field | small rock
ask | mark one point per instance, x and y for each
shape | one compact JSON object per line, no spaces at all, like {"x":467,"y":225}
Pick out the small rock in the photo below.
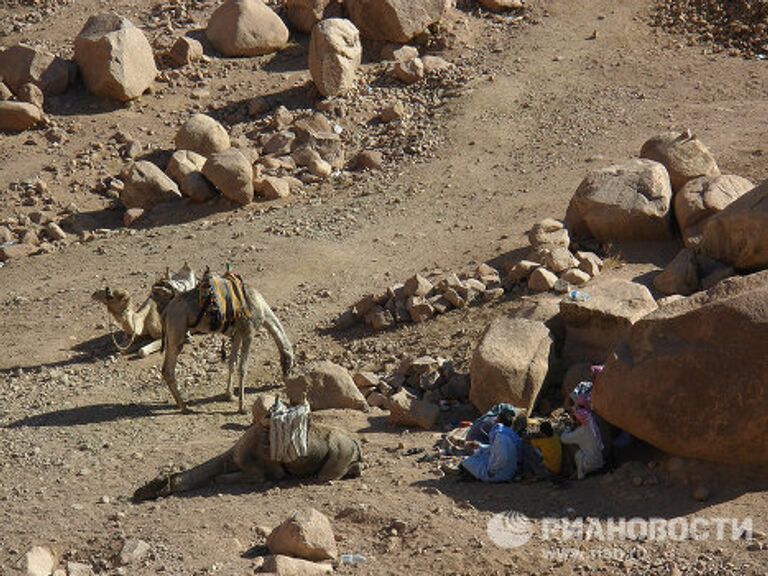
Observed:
{"x":31,"y":94}
{"x":392,"y":112}
{"x":521,"y":271}
{"x":304,"y":534}
{"x":55,"y":232}
{"x":38,"y":561}
{"x":365,"y":379}
{"x":287,"y":566}
{"x":272,"y":188}
{"x":133,"y":551}
{"x":202,"y":134}
{"x":5,"y":92}
{"x":409,"y":72}
{"x":18,"y":116}
{"x":417,"y":285}
{"x":16,"y":251}
{"x":368,"y":160}
{"x":232,"y":174}
{"x":79,"y":569}
{"x":541,"y":280}
{"x":575,"y":276}
{"x":590,"y":263}
{"x":406,"y":410}
{"x":258,"y":106}
{"x":185,"y":50}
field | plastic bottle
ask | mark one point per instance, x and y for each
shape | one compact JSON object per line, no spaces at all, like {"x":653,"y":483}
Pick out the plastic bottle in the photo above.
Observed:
{"x":578,"y":296}
{"x":352,"y":559}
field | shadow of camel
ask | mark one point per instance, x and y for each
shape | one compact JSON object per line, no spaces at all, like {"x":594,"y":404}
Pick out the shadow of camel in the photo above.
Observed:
{"x":96,"y":349}
{"x":93,"y":414}
{"x":100,"y":413}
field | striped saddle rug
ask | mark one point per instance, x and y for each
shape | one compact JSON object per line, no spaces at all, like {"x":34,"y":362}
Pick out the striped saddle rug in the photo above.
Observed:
{"x":223,"y":299}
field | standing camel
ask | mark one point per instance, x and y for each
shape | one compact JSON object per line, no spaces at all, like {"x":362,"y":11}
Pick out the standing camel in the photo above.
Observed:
{"x":227,"y":305}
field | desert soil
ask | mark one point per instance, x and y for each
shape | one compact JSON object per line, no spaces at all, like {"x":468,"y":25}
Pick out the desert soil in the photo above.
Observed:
{"x":541,"y":101}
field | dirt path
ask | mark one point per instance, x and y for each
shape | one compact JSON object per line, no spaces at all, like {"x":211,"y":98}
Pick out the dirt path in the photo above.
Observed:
{"x":83,"y":428}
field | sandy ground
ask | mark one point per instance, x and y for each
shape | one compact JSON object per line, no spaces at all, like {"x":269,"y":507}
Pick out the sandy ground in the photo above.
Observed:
{"x":83,"y":427}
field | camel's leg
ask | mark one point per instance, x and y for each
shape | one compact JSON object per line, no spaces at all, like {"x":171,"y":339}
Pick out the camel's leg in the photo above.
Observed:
{"x":196,"y":477}
{"x":263,"y":314}
{"x":150,"y":348}
{"x":173,"y":342}
{"x":246,"y":332}
{"x":234,"y":355}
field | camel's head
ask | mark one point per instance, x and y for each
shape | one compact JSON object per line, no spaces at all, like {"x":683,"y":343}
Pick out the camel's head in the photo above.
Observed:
{"x":116,"y":300}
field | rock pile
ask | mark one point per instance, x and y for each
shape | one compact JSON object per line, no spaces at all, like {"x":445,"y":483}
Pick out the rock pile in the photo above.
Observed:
{"x":549,"y":266}
{"x":33,"y":233}
{"x":676,"y":186}
{"x":419,"y":299}
{"x":292,"y":149}
{"x":416,"y":390}
{"x":737,"y":26}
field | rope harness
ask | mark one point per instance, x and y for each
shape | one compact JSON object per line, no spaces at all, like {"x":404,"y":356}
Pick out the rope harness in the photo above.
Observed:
{"x":122,"y":348}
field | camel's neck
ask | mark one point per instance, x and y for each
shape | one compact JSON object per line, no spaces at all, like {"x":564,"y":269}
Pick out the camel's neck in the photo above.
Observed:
{"x":130,"y":321}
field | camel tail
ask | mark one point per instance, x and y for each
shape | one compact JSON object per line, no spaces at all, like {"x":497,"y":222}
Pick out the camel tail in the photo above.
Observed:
{"x":275,"y":329}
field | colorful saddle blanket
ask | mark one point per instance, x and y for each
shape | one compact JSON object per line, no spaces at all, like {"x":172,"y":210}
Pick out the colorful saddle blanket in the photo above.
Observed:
{"x":223,"y":299}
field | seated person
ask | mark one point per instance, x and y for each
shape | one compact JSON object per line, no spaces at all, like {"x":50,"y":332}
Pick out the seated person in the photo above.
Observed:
{"x":589,"y":455}
{"x":550,"y":447}
{"x":480,"y":428}
{"x":497,"y":461}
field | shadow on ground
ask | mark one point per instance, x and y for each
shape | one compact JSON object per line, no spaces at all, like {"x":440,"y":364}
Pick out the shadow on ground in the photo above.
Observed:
{"x":93,"y":414}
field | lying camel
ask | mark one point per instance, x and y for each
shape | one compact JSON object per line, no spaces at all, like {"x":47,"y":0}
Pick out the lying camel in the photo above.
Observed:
{"x":227,"y":305}
{"x":146,"y":320}
{"x":332,"y":454}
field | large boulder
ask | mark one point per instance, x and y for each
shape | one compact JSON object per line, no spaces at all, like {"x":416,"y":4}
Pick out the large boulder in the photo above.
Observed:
{"x":304,"y":14}
{"x":202,"y":134}
{"x":147,"y":186}
{"x":18,"y":116}
{"x":629,"y":201}
{"x":246,"y":28}
{"x":510,"y":363}
{"x":304,"y":534}
{"x":232,"y":174}
{"x":739,"y":234}
{"x":326,"y":385}
{"x":394,"y":20}
{"x":692,"y":378}
{"x":601,"y":317}
{"x":114,"y":57}
{"x":21,"y":64}
{"x":684,"y":156}
{"x":703,"y":197}
{"x":334,"y":56}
